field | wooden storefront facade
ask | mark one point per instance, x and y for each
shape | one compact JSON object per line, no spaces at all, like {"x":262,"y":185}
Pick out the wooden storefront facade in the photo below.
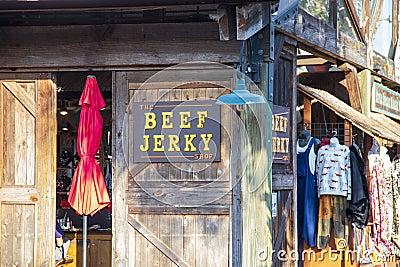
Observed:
{"x":235,"y":229}
{"x":132,"y":42}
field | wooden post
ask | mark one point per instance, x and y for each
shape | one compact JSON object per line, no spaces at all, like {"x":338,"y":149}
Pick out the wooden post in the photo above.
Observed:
{"x":348,"y":133}
{"x":353,"y":86}
{"x":307,"y":113}
{"x":257,"y":181}
{"x":365,"y":90}
{"x":294,"y":161}
{"x":119,"y":208}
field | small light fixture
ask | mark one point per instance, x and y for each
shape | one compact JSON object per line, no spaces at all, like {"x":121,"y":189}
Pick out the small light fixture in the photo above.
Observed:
{"x":64,"y":126}
{"x":240,"y":96}
{"x":63,"y":110}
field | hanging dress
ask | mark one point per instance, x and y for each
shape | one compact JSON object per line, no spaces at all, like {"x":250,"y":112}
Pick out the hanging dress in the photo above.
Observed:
{"x":307,"y":199}
{"x":379,"y":206}
{"x":396,"y":197}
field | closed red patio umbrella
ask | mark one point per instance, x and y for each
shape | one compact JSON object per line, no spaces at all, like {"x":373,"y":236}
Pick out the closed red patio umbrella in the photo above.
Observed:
{"x":88,"y":193}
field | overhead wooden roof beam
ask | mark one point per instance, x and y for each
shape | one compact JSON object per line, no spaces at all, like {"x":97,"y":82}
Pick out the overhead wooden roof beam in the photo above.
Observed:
{"x":27,"y":6}
{"x":355,"y":19}
{"x":353,"y":86}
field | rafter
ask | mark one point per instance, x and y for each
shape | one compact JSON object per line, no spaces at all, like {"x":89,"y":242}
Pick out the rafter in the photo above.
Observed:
{"x":355,"y":19}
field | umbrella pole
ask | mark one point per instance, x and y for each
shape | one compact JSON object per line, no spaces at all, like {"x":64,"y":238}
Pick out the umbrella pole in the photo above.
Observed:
{"x":84,"y":240}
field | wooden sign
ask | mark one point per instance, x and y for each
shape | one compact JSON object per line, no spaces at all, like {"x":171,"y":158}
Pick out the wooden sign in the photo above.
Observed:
{"x":280,"y":133}
{"x":385,"y":101}
{"x":176,"y":131}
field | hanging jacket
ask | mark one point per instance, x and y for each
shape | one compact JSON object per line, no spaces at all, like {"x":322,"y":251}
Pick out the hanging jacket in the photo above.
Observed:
{"x":358,"y":211}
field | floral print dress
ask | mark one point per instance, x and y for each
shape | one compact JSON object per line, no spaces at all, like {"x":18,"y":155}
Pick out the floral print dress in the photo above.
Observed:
{"x":379,"y":206}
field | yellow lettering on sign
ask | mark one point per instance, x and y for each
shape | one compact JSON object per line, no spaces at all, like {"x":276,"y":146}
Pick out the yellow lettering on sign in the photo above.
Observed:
{"x":158,"y":147}
{"x":202,"y":118}
{"x":273,"y":122}
{"x":287,"y":145}
{"x":150,"y":120}
{"x":278,"y":145}
{"x":189,"y":139}
{"x":146,"y":142}
{"x":166,"y":116}
{"x":279,"y":123}
{"x":276,"y":123}
{"x":283,"y":142}
{"x":285,"y":120}
{"x":173,"y":143}
{"x":185,"y":115}
{"x":206,"y":139}
{"x":274,"y":144}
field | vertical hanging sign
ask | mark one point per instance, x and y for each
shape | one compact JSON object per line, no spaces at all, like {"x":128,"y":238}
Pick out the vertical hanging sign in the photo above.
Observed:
{"x":176,"y":131}
{"x":280,"y":130}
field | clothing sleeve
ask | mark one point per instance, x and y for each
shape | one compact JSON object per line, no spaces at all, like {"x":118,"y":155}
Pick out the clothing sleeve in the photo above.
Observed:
{"x":59,"y":230}
{"x":347,"y":166}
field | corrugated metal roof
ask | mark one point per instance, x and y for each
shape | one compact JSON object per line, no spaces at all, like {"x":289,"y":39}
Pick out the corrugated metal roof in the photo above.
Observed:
{"x":374,"y":126}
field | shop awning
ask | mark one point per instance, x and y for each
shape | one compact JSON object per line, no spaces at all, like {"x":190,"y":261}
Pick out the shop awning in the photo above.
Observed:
{"x":375,"y":126}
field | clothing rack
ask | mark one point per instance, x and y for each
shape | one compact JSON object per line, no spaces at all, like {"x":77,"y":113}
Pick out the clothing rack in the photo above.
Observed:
{"x":321,"y":130}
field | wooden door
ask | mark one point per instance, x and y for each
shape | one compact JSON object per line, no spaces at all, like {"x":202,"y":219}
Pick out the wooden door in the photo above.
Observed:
{"x":149,"y":232}
{"x":27,"y":149}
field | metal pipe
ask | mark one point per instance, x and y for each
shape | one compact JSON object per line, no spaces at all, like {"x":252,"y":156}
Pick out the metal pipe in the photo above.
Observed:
{"x":84,"y":241}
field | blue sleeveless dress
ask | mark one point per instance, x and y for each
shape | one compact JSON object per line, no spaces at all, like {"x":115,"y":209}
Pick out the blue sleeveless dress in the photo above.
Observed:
{"x":307,"y":198}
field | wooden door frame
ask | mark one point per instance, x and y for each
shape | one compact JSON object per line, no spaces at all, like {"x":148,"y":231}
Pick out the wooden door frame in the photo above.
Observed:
{"x":119,"y":208}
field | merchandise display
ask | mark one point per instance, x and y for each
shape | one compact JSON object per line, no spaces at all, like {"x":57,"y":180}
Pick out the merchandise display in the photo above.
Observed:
{"x":343,"y":202}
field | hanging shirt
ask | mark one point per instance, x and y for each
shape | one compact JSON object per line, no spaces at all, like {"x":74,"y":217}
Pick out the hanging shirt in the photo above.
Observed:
{"x":333,"y":170}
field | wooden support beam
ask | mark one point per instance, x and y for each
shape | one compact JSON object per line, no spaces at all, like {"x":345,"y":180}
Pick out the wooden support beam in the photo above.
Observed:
{"x":353,"y":86}
{"x":307,"y":30}
{"x":395,"y":28}
{"x":355,"y":19}
{"x":376,"y":11}
{"x":333,"y":13}
{"x":366,"y":18}
{"x":365,"y":90}
{"x":226,"y":18}
{"x":250,"y":19}
{"x":29,"y":6}
{"x":307,"y":113}
{"x":115,"y":46}
{"x":384,"y":66}
{"x":120,"y":246}
{"x":348,"y":133}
